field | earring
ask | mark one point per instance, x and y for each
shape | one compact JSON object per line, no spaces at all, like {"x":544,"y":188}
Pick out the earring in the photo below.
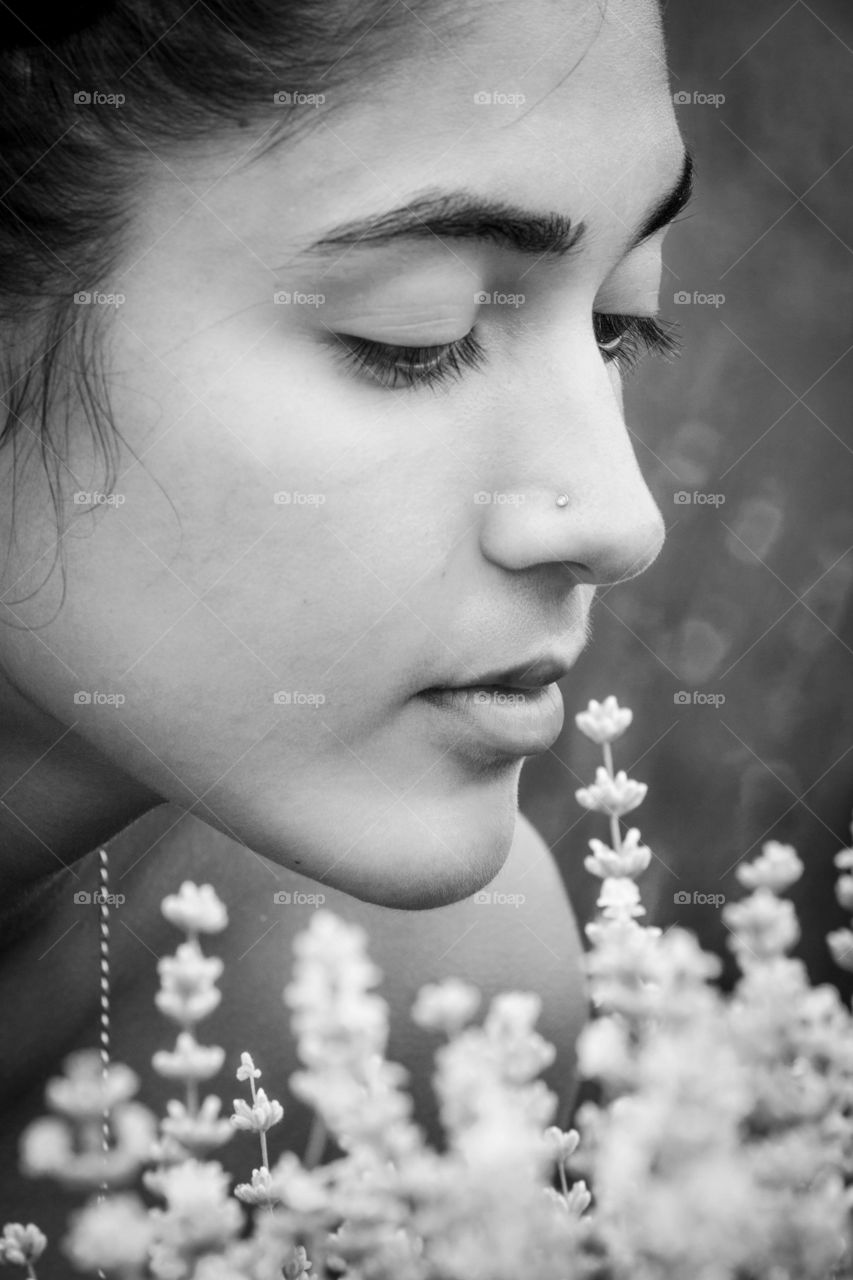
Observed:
{"x":104,"y":926}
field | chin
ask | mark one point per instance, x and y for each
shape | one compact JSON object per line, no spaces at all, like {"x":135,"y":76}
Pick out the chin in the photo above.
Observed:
{"x":413,"y":858}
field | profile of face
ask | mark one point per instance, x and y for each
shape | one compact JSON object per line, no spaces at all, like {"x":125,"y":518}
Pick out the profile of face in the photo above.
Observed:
{"x":343,"y":444}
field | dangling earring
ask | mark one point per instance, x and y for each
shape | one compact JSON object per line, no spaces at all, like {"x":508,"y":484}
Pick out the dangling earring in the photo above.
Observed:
{"x":104,"y":923}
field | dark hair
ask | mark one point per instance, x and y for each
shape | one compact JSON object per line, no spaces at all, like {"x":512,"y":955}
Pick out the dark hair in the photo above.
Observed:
{"x":70,"y":168}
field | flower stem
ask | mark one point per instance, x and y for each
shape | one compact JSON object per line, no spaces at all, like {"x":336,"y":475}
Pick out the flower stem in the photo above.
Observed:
{"x":615,"y":834}
{"x":316,"y":1141}
{"x":565,"y":1184}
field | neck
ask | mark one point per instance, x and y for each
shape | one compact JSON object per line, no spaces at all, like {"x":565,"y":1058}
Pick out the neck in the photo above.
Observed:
{"x":59,"y":796}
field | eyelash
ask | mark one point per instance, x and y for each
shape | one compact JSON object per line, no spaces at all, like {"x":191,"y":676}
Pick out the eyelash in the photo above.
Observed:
{"x":394,"y":367}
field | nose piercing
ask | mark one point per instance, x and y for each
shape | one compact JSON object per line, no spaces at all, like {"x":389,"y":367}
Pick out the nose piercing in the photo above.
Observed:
{"x":563,"y":500}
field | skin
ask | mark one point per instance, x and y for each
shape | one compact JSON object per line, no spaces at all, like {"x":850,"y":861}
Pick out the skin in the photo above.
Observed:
{"x":199,"y":597}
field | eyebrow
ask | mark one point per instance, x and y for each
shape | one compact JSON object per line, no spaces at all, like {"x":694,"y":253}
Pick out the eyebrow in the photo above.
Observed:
{"x":461,"y":216}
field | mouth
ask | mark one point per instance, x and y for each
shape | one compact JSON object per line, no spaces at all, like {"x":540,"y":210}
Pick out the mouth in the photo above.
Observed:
{"x":516,"y":711}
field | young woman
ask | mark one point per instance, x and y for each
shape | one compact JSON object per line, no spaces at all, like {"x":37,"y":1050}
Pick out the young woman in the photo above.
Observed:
{"x":315,"y":317}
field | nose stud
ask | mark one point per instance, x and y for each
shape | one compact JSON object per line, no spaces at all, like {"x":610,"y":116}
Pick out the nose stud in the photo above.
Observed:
{"x":563,"y":500}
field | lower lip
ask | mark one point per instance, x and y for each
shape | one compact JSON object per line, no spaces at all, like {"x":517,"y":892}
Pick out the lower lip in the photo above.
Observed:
{"x":518,"y":722}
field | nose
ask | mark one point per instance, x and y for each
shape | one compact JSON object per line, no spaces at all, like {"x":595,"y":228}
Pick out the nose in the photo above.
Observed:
{"x":610,"y":529}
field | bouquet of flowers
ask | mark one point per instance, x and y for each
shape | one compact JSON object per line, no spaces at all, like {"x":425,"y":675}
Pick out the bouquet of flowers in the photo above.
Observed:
{"x":719,"y":1146}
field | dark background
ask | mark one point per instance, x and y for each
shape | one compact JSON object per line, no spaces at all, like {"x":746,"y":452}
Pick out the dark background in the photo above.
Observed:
{"x":750,"y":598}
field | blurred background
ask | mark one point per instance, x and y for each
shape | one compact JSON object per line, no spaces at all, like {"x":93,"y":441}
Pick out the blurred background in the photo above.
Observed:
{"x":735,"y":650}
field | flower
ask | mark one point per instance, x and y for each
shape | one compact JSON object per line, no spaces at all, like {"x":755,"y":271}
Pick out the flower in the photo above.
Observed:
{"x":445,"y":1006}
{"x":260,"y":1190}
{"x":298,"y":1266}
{"x":86,"y":1091}
{"x":614,"y":795}
{"x":763,"y":925}
{"x":619,"y":898}
{"x":201,"y":1132}
{"x":840,"y":942}
{"x":247,"y":1069}
{"x":630,"y":860}
{"x":563,"y":1144}
{"x":21,"y":1244}
{"x":195,"y":908}
{"x":604,"y":721}
{"x":189,"y":1060}
{"x":113,"y":1234}
{"x":187,"y":991}
{"x":777,"y":868}
{"x":844,"y":891}
{"x":260,"y":1117}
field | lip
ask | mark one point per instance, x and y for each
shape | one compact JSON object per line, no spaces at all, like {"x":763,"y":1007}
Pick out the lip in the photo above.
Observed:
{"x":539,"y":671}
{"x":512,"y":721}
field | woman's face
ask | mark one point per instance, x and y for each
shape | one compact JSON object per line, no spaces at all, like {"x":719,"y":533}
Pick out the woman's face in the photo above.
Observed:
{"x":269,"y":651}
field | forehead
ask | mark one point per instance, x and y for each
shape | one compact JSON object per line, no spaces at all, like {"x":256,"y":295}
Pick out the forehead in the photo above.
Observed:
{"x":555,"y":104}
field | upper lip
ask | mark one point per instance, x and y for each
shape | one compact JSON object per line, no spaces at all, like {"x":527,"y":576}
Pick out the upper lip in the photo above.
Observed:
{"x":541,"y":670}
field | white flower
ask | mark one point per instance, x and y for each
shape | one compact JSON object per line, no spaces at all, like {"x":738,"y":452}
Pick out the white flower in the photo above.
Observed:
{"x":200,"y":1212}
{"x":201,"y":1132}
{"x":260,"y":1117}
{"x":631,"y":860}
{"x":195,"y":908}
{"x":612,"y":795}
{"x":562,"y":1144}
{"x":86,"y":1091}
{"x":840,"y":942}
{"x":445,"y":1006}
{"x":302,"y":1190}
{"x":619,"y":898}
{"x":45,"y":1146}
{"x":189,"y":1060}
{"x":604,"y":721}
{"x":113,"y":1234}
{"x":777,"y":868}
{"x":763,"y":925}
{"x":21,"y":1244}
{"x":260,"y":1190}
{"x":247,"y":1069}
{"x":187,"y":984}
{"x":844,"y":891}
